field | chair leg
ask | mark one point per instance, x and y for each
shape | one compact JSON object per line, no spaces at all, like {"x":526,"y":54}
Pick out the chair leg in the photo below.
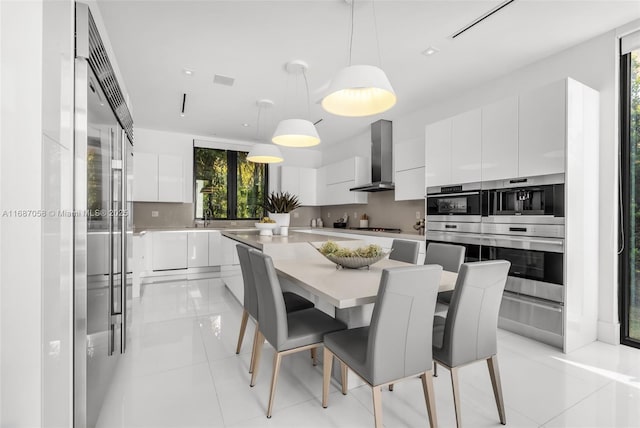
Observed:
{"x":253,"y":350}
{"x":256,"y":358}
{"x":435,"y":369}
{"x":314,"y":356}
{"x":429,"y":397}
{"x":327,"y":361}
{"x":277,"y":359}
{"x":390,"y":387}
{"x":344,"y":375}
{"x":456,"y":395}
{"x":377,"y":405}
{"x":243,"y":326}
{"x":494,"y":373}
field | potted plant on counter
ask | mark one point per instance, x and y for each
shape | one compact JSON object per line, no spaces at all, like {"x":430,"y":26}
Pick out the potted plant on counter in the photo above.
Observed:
{"x":279,"y":205}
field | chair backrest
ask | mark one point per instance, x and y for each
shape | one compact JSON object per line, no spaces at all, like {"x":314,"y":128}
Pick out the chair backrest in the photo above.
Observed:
{"x":250,"y":293}
{"x":272,"y":313}
{"x":449,"y":256}
{"x":399,"y":343}
{"x":404,"y":251}
{"x":472,"y":319}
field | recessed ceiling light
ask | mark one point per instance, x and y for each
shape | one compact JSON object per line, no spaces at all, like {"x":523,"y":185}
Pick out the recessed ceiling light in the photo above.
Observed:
{"x":188,"y":71}
{"x":246,"y":125}
{"x":431,"y":50}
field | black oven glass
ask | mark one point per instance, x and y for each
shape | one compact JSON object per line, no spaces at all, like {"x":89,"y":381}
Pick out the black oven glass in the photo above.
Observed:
{"x":467,"y":204}
{"x":537,"y":265}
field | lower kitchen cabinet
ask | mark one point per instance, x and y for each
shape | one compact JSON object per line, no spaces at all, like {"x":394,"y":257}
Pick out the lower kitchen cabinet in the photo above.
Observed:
{"x":169,"y":250}
{"x":215,"y":248}
{"x":198,"y":244}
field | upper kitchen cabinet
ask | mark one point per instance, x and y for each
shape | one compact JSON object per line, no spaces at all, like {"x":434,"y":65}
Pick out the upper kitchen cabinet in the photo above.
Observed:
{"x":542,"y":130}
{"x":158,"y":178}
{"x":300,"y":181}
{"x":438,"y":153}
{"x":339,"y":177}
{"x":409,"y":170}
{"x":500,"y":139}
{"x":466,"y":147}
{"x":453,"y":153}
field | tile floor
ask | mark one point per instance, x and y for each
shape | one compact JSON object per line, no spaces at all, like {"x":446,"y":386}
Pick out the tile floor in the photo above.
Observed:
{"x":181,"y":370}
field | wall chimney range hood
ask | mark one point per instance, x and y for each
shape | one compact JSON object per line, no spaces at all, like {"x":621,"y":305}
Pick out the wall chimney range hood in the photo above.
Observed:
{"x":381,"y":158}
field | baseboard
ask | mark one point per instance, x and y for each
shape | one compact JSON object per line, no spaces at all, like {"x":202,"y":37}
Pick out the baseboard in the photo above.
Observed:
{"x":609,"y":332}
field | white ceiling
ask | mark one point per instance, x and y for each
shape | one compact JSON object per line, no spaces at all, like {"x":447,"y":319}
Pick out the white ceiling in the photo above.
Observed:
{"x":252,"y":40}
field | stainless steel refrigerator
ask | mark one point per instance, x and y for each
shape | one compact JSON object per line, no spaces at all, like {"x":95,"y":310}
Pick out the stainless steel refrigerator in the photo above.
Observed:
{"x":102,"y":224}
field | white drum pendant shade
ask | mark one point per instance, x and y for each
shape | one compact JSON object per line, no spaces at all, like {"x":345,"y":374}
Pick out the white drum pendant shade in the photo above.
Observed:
{"x":296,"y":133}
{"x":359,"y":90}
{"x":265,"y":153}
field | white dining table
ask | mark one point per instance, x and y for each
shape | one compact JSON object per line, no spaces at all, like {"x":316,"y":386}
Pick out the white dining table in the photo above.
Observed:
{"x":343,"y":288}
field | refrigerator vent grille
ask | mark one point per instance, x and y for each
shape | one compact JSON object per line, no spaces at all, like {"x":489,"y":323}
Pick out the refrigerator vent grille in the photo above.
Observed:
{"x":99,"y":61}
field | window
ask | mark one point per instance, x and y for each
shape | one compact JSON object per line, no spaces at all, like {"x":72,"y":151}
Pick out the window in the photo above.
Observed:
{"x":227,"y":186}
{"x":630,"y":142}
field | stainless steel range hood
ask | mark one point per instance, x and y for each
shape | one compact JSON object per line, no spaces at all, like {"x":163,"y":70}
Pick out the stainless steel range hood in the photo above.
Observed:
{"x":381,"y":158}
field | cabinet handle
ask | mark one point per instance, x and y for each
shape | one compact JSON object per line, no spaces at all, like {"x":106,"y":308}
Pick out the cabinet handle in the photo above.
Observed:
{"x":517,"y":229}
{"x":450,"y":226}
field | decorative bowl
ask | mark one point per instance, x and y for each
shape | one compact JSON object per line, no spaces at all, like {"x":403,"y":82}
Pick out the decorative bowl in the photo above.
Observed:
{"x":266,"y":229}
{"x":355,"y":262}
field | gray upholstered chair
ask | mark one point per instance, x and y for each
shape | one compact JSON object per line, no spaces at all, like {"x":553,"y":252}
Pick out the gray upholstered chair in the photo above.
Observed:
{"x":286,"y":332}
{"x":404,"y":251}
{"x":468,"y":333}
{"x":292,"y":301}
{"x":397,"y":343}
{"x":450,"y":257}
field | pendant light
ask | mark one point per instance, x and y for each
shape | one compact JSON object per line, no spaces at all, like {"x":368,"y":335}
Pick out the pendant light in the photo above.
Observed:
{"x":359,"y":90}
{"x":297,"y":132}
{"x":264,"y":152}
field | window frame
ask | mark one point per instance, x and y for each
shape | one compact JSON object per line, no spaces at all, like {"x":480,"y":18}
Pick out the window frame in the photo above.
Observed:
{"x":232,"y":185}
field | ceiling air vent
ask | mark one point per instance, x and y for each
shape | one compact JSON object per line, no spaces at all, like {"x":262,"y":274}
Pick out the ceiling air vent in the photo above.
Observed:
{"x":219,"y":79}
{"x":482,"y":18}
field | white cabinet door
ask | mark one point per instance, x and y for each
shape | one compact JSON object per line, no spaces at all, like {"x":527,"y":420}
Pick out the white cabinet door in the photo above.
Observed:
{"x":438,"y":153}
{"x":229,"y":254}
{"x":198,"y":247}
{"x":145,"y":174}
{"x":215,"y":248}
{"x":409,"y":154}
{"x":410,"y":184}
{"x":169,"y":250}
{"x":321,"y":186}
{"x":290,"y":179}
{"x":308,"y":184}
{"x":542,"y":130}
{"x":466,"y":147}
{"x":170,"y":178}
{"x":500,"y":139}
{"x":339,"y":172}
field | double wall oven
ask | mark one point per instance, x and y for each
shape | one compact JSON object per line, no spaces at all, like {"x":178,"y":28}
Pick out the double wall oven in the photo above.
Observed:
{"x":520,"y":220}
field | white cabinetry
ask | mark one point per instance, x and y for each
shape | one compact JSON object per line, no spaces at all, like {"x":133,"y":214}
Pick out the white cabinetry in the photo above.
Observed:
{"x":300,"y":181}
{"x":145,"y":175}
{"x":169,"y":250}
{"x":215,"y":248}
{"x":409,"y":170}
{"x":542,"y":130}
{"x":438,"y":153}
{"x":341,"y":176}
{"x":198,"y":249}
{"x":466,"y":147}
{"x":500,"y":139}
{"x":158,"y":178}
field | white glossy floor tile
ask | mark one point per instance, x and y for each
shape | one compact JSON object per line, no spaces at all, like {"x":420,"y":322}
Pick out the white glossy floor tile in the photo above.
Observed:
{"x":181,"y":370}
{"x":183,"y":397}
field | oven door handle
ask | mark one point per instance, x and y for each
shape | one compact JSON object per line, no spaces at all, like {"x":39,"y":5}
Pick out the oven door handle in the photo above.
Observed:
{"x":446,"y":195}
{"x":519,"y":298}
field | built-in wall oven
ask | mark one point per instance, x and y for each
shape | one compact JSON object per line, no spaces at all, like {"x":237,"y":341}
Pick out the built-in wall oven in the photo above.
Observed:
{"x":520,"y":220}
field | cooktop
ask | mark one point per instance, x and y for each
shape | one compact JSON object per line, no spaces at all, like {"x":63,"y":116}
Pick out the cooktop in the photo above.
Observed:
{"x":377,"y":229}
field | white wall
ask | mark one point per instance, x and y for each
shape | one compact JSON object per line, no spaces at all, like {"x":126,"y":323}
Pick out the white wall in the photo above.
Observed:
{"x":181,"y":144}
{"x":593,"y":63}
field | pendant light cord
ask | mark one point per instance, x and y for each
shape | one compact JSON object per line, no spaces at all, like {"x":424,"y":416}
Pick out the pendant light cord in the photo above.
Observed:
{"x":306,"y":84}
{"x":353,"y":2}
{"x":375,"y":28}
{"x":258,"y":124}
